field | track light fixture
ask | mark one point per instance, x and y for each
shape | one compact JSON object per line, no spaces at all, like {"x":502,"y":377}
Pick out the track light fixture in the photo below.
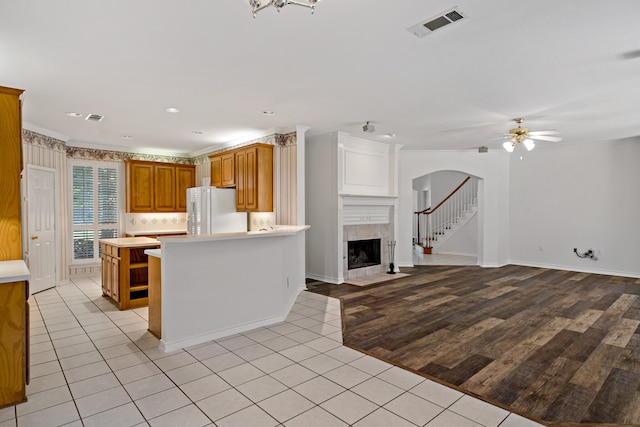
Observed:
{"x":368,"y":127}
{"x":258,"y":5}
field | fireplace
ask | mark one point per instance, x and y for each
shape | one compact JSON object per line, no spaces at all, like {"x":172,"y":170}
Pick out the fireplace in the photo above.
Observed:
{"x":363,"y":253}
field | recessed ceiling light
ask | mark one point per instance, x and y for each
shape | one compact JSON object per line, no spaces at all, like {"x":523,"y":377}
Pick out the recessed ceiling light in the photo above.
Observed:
{"x":389,"y":135}
{"x":268,"y":113}
{"x":73,"y":114}
{"x":196,"y":132}
{"x":127,"y":137}
{"x":172,"y":110}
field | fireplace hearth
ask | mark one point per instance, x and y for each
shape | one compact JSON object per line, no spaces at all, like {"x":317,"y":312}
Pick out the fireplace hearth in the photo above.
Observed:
{"x":363,"y":253}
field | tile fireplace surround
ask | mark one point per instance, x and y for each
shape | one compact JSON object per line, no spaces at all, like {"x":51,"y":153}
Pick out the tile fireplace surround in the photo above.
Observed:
{"x":365,"y":232}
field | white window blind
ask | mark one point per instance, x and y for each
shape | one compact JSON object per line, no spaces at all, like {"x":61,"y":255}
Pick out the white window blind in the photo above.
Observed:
{"x":94,"y":208}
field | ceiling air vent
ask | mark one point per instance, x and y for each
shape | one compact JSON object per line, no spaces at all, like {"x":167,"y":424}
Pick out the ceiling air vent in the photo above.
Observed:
{"x":94,"y":118}
{"x":432,"y":24}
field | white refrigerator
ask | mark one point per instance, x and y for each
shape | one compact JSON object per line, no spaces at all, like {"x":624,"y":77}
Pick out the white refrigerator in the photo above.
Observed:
{"x":212,"y":210}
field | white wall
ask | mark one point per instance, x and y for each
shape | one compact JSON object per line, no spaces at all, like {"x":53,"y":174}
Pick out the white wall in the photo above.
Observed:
{"x":321,"y":205}
{"x":577,"y":196}
{"x":443,"y":183}
{"x":493,"y":217}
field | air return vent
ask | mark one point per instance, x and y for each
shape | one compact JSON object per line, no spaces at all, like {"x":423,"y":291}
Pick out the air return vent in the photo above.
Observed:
{"x":432,"y":24}
{"x":94,"y":118}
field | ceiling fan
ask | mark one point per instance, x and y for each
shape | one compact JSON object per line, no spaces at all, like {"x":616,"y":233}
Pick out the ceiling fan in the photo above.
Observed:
{"x":524,"y":136}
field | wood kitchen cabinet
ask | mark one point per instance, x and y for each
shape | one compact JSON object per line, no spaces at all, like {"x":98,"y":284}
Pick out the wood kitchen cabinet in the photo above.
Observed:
{"x":14,"y":332}
{"x":14,"y":275}
{"x":185,"y":178}
{"x":158,"y":187}
{"x":250,"y":170}
{"x":10,"y":170}
{"x":223,"y":169}
{"x":164,"y":185}
{"x":254,"y":178}
{"x":125,"y":270}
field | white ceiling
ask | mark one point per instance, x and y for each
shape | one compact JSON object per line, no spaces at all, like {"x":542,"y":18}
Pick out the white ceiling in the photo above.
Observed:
{"x":568,"y":65}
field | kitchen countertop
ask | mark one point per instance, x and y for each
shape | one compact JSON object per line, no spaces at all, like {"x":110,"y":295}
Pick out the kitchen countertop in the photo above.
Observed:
{"x":131,"y":242}
{"x":13,"y":271}
{"x":278,"y":230}
{"x":155,"y":233}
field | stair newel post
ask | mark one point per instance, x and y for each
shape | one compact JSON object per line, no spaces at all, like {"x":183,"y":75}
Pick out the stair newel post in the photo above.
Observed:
{"x":391,"y":244}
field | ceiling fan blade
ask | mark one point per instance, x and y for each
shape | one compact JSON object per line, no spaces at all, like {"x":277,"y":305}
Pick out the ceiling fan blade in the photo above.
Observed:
{"x":546,"y":138}
{"x":544,"y":132}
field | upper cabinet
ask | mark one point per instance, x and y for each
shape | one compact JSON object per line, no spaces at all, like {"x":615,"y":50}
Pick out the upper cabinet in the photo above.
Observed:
{"x":250,"y":170}
{"x":223,"y":169}
{"x":165,"y":188}
{"x":158,"y":187}
{"x":185,"y":178}
{"x":10,"y":170}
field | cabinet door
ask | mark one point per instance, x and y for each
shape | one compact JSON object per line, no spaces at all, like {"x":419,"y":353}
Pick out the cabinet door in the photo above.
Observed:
{"x":228,"y":169}
{"x":241,"y":179}
{"x":106,"y":274}
{"x":115,"y":279}
{"x":251,"y":180}
{"x":13,"y":357}
{"x":140,"y":187}
{"x":185,"y":178}
{"x":165,"y":188}
{"x":216,"y":171}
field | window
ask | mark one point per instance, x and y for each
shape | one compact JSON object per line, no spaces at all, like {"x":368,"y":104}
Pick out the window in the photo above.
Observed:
{"x":94,"y":208}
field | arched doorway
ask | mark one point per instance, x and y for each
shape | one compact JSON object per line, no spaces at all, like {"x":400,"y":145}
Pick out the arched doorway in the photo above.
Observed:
{"x":447,"y":230}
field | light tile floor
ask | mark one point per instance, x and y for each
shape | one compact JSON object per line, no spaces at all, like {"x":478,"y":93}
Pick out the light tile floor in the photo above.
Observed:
{"x":92,"y":365}
{"x":441,"y":259}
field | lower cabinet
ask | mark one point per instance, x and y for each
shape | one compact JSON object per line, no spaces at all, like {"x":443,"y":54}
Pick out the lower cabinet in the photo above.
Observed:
{"x":155,"y":297}
{"x":125,"y":275}
{"x":14,"y":342}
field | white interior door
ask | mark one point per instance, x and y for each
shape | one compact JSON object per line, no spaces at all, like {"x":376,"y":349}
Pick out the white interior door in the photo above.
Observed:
{"x":41,"y":226}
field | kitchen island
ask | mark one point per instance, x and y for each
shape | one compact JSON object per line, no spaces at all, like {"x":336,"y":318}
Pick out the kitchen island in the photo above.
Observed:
{"x":125,"y":270}
{"x":221,"y":284}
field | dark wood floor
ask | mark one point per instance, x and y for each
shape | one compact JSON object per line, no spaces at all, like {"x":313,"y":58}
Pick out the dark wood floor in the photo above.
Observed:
{"x":556,"y":346}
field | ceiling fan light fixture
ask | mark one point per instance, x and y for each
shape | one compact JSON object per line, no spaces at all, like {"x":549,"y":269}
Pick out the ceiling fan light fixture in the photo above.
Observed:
{"x":509,"y":146}
{"x":529,"y":144}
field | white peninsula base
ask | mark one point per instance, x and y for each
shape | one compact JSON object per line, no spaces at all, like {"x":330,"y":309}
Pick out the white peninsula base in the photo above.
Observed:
{"x":218,"y":285}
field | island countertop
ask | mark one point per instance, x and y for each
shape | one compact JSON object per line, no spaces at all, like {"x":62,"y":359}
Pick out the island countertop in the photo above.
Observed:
{"x":278,"y":230}
{"x":130,"y":242}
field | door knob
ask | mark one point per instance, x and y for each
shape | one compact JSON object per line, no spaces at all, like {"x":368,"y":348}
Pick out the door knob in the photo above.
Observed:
{"x":34,"y":237}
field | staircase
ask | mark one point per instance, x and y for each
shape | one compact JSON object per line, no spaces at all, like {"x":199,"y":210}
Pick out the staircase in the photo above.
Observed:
{"x":437,"y":225}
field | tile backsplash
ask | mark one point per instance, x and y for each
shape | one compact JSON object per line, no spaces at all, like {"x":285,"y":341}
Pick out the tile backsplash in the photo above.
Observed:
{"x":152,"y":222}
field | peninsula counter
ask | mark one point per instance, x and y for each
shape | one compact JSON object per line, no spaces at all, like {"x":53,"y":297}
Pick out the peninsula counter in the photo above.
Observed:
{"x":217,"y":285}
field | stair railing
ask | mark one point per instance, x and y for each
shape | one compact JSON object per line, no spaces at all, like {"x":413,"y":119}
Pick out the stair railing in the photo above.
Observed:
{"x":435,"y":222}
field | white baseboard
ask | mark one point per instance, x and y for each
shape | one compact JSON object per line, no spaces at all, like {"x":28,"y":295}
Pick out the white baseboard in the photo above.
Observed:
{"x":634,"y":275}
{"x":325,"y":279}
